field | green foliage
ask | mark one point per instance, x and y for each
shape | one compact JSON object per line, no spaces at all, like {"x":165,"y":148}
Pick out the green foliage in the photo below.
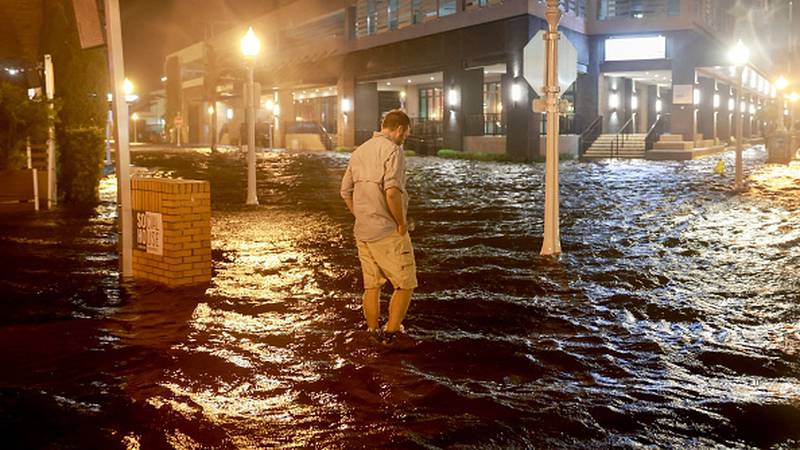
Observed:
{"x":448,"y":153}
{"x":81,"y":164}
{"x":20,"y":118}
{"x":81,"y":76}
{"x":410,"y":153}
{"x":344,"y":149}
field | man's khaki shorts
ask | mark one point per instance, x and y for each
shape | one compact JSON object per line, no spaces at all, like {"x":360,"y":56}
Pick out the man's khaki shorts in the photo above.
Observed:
{"x":390,"y":258}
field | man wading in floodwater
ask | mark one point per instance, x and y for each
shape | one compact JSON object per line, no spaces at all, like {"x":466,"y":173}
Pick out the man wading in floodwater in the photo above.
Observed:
{"x":374,"y":189}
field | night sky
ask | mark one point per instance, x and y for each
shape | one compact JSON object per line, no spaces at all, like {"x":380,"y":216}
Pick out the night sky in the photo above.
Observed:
{"x":151,"y":29}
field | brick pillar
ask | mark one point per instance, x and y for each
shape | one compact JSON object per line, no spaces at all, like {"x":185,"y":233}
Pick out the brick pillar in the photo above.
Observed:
{"x":172,"y":231}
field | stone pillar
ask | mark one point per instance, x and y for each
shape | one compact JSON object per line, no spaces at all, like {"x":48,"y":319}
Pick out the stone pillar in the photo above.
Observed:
{"x":705,"y":110}
{"x":747,"y":129}
{"x":724,"y":130}
{"x":286,"y":116}
{"x":365,"y":111}
{"x":650,"y":104}
{"x":172,"y":234}
{"x":683,"y":120}
{"x":345,"y":122}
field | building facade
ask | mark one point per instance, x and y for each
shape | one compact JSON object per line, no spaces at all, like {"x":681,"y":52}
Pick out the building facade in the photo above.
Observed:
{"x":455,"y":66}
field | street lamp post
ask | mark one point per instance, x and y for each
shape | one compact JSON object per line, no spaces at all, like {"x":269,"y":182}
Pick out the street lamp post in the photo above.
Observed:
{"x":250,"y":48}
{"x":739,"y":56}
{"x":551,"y":245}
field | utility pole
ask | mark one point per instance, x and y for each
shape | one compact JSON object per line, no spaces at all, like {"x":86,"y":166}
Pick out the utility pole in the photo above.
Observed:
{"x":50,"y":87}
{"x":552,"y":239}
{"x":117,"y":73}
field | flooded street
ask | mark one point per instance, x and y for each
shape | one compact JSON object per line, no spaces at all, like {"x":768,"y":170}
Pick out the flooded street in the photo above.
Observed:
{"x":671,"y":320}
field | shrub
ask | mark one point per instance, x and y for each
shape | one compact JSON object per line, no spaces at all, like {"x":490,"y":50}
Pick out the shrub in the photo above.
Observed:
{"x":410,"y":153}
{"x":344,"y":149}
{"x":81,"y":164}
{"x":20,"y":118}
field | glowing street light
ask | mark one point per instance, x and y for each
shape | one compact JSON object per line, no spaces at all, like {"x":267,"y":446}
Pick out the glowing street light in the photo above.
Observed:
{"x":781,"y":83}
{"x":739,"y":56}
{"x":251,"y":45}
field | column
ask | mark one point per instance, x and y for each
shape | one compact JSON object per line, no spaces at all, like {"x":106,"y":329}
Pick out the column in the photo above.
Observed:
{"x":705,"y":110}
{"x":365,"y":111}
{"x":286,"y":116}
{"x":345,"y":122}
{"x":724,"y":130}
{"x":683,"y":119}
{"x":522,"y":124}
{"x":463,"y":98}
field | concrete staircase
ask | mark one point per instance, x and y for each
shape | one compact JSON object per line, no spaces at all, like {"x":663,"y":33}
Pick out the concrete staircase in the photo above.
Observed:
{"x":630,"y":146}
{"x":673,"y":147}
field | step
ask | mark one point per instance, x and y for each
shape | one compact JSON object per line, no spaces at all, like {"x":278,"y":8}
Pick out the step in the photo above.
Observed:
{"x":670,"y":137}
{"x":703,"y":143}
{"x":673,"y":145}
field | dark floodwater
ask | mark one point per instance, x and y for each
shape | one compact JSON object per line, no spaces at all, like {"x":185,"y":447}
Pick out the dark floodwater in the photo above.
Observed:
{"x":671,"y":320}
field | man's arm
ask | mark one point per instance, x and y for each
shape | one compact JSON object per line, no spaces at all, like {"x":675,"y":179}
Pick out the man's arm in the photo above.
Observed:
{"x":346,"y":190}
{"x":394,"y":200}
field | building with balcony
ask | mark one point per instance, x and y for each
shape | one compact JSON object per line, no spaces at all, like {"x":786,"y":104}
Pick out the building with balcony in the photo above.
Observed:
{"x":455,"y":66}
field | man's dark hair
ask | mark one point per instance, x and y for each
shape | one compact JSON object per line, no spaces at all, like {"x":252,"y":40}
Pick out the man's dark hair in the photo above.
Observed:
{"x":395,"y":118}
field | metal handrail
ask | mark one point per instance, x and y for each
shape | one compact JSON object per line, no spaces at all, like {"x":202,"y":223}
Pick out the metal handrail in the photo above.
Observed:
{"x":590,"y":134}
{"x":655,"y":131}
{"x":615,"y":144}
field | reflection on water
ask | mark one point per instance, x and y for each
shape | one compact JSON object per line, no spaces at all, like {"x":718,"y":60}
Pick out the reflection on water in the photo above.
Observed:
{"x":672,"y":319}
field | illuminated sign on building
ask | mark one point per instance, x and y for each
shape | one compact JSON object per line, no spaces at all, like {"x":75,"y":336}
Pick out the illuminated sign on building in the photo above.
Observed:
{"x":636,"y":48}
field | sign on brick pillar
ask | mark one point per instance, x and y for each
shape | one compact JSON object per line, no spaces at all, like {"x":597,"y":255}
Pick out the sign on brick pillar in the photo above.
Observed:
{"x":172,"y":220}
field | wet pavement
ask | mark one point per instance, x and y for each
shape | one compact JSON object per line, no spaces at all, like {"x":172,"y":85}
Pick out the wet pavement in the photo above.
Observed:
{"x":671,"y":320}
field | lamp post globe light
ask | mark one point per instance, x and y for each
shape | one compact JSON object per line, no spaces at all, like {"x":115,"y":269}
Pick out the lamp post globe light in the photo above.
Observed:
{"x":739,"y":56}
{"x":251,"y":46}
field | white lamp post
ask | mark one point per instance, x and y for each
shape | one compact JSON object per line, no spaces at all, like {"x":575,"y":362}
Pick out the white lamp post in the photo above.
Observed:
{"x":250,"y":48}
{"x":739,"y":55}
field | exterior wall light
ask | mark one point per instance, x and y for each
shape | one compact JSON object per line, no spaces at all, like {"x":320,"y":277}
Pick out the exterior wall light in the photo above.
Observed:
{"x":229,"y":114}
{"x":752,"y":108}
{"x":210,"y":110}
{"x":743,"y":107}
{"x":781,"y":83}
{"x":347,"y":105}
{"x":696,"y":96}
{"x":634,"y":103}
{"x":716,"y":101}
{"x":452,"y":98}
{"x":276,"y":110}
{"x":659,"y":105}
{"x":270,"y":105}
{"x":613,"y":101}
{"x":731,"y":104}
{"x":516,"y":92}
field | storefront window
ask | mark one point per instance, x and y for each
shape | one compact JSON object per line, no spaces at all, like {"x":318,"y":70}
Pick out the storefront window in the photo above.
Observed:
{"x":447,"y":7}
{"x":431,"y":105}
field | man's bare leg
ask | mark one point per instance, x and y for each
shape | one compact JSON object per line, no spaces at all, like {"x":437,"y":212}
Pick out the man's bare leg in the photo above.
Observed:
{"x":397,"y":309}
{"x":372,"y":308}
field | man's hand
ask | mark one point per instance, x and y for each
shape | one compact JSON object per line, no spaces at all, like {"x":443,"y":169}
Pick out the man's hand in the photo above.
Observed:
{"x":402,"y":229}
{"x":394,"y":200}
{"x":349,"y":202}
